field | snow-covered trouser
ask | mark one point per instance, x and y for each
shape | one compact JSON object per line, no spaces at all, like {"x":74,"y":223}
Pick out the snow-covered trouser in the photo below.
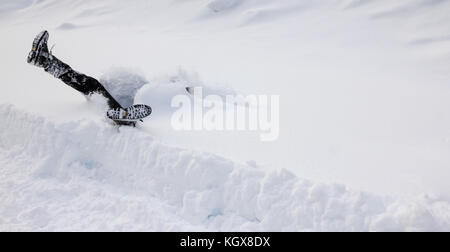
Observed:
{"x":87,"y":85}
{"x":80,"y":82}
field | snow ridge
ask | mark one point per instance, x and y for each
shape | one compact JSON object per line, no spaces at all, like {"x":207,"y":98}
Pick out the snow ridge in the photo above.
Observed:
{"x":86,"y":175}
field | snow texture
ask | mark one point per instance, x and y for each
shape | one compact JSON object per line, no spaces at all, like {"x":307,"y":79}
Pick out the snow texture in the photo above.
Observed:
{"x":364,"y":98}
{"x":222,"y":5}
{"x":123,"y":84}
{"x":89,"y":176}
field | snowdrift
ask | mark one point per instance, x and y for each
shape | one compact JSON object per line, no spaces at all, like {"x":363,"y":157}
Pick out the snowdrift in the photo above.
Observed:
{"x":86,"y":175}
{"x":366,"y":80}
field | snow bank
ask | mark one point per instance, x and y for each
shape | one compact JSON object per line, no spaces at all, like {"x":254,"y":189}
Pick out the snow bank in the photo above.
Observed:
{"x":88,"y":175}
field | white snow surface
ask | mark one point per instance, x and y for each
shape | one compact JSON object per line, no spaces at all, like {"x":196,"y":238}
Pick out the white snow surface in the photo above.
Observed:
{"x":365,"y":125}
{"x":88,"y":176}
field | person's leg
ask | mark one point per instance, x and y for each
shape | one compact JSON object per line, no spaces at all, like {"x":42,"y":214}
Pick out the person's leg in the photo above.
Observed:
{"x":40,"y":57}
{"x":87,"y":86}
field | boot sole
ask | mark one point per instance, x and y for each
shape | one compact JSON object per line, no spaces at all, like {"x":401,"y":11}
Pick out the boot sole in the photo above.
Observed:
{"x":36,"y":46}
{"x":138,"y":111}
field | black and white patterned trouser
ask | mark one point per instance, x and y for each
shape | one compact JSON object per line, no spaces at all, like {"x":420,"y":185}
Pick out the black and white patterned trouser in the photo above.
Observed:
{"x":87,"y":86}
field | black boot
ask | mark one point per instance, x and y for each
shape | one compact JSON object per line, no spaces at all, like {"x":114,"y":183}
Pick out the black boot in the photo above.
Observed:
{"x":41,"y":57}
{"x":39,"y":51}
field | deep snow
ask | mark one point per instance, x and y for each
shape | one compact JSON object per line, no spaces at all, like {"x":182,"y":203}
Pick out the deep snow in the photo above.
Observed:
{"x":364,"y":91}
{"x":91,"y":176}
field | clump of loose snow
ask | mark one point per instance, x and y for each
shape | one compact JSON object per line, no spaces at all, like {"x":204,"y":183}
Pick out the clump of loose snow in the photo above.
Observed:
{"x":123,"y":84}
{"x":89,"y":176}
{"x":161,"y":89}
